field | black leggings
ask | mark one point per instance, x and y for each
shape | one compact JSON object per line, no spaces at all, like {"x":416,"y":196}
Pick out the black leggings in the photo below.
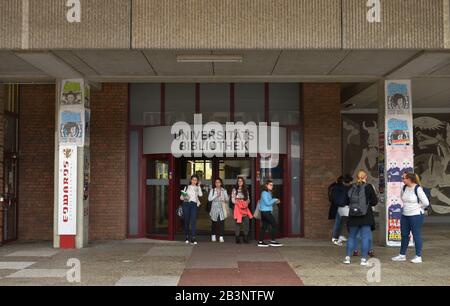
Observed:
{"x":221,"y":227}
{"x":268,"y":219}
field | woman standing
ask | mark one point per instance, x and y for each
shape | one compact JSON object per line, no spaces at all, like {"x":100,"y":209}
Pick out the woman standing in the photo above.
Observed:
{"x":414,"y":202}
{"x":190,"y":197}
{"x":241,"y":213}
{"x":217,"y":196}
{"x":361,"y":198}
{"x":266,"y":204}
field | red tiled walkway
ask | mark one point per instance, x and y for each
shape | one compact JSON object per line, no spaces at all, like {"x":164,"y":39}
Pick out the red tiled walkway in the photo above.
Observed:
{"x":237,"y":265}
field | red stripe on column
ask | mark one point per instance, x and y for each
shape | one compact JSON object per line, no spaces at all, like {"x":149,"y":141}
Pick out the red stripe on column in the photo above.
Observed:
{"x":67,"y":241}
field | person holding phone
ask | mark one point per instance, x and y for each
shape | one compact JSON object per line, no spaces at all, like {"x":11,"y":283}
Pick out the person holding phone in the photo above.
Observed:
{"x":266,"y":204}
{"x":217,"y":196}
{"x":190,"y":197}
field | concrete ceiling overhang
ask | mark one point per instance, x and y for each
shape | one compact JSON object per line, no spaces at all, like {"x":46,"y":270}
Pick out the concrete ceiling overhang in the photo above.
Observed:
{"x":430,"y":71}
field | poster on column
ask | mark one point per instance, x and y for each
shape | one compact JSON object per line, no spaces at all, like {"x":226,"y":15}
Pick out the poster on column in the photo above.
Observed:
{"x":399,"y":152}
{"x":72,"y":92}
{"x":67,"y":190}
{"x":71,"y":126}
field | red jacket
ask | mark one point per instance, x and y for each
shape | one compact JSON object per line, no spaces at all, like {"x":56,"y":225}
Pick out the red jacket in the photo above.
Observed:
{"x":241,"y":210}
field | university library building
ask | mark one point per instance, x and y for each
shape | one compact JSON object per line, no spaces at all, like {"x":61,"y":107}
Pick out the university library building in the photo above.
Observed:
{"x":109,"y":107}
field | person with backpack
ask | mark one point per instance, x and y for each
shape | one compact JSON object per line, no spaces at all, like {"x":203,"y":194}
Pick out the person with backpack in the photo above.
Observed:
{"x":415,"y":201}
{"x":190,"y":197}
{"x":241,"y":213}
{"x":266,"y":204}
{"x":333,"y":208}
{"x":217,"y":196}
{"x":339,"y":200}
{"x":361,"y":198}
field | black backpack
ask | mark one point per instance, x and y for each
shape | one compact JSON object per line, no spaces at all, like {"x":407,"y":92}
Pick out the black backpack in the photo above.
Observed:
{"x":425,"y":190}
{"x":358,"y":203}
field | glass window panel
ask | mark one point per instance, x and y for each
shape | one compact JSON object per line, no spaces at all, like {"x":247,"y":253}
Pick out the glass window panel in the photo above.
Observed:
{"x":215,"y":102}
{"x":145,"y":100}
{"x":284,"y":106}
{"x":249,"y":102}
{"x":157,"y":197}
{"x":180,"y":103}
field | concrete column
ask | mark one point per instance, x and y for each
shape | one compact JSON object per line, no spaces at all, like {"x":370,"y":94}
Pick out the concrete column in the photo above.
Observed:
{"x":396,"y":122}
{"x":72,"y":137}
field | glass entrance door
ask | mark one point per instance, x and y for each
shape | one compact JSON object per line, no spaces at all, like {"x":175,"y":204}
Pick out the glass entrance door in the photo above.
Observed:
{"x":10,"y":165}
{"x":208,"y":170}
{"x":158,"y":195}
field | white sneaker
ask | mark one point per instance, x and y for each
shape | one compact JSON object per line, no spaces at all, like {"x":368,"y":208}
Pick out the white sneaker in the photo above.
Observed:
{"x":399,"y":258}
{"x":342,"y":238}
{"x":364,"y":262}
{"x":221,"y":239}
{"x":417,"y":259}
{"x":337,"y":242}
{"x":347,"y":260}
{"x":213,"y":238}
{"x":187,"y":241}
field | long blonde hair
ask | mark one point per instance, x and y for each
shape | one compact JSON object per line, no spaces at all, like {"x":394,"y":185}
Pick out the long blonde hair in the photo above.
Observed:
{"x":361,"y":178}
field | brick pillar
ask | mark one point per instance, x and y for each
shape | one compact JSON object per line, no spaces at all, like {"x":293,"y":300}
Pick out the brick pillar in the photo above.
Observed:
{"x":109,"y":145}
{"x":2,"y":139}
{"x":36,"y":142}
{"x":322,"y":154}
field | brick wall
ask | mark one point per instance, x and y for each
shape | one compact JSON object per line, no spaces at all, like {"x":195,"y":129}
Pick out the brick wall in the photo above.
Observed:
{"x":322,"y":154}
{"x":108,"y":198}
{"x":36,"y":161}
{"x":109,"y":125}
{"x":2,"y":139}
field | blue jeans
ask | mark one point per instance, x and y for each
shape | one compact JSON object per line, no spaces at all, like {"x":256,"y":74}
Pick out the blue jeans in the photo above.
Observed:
{"x":370,"y":240}
{"x":412,"y":224}
{"x":190,"y":218}
{"x":366,"y":233}
{"x":337,"y":226}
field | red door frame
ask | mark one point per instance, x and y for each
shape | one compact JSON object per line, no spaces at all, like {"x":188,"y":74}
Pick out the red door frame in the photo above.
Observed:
{"x":171,"y":210}
{"x":285,"y":203}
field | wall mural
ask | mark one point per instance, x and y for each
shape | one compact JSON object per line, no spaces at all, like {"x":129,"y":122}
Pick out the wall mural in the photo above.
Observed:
{"x":360,"y":145}
{"x":432,"y":157}
{"x":431,"y":149}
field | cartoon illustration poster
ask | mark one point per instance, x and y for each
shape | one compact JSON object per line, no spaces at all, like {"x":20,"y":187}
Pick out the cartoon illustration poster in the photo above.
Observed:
{"x":399,"y":131}
{"x":394,"y":213}
{"x":71,"y":127}
{"x":398,"y":98}
{"x":72,"y":92}
{"x":400,"y":161}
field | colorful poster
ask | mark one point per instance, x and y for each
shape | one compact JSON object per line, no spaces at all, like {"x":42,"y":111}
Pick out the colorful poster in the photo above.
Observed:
{"x":72,"y":92}
{"x":71,"y":127}
{"x":67,"y":191}
{"x":394,"y":213}
{"x":400,"y":161}
{"x":399,"y":131}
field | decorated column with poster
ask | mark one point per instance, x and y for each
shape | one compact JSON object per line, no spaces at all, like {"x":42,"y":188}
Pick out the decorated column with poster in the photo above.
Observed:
{"x":399,"y":152}
{"x":72,"y":141}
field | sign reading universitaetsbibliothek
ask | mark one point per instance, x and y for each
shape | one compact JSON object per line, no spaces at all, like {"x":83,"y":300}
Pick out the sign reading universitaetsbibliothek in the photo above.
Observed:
{"x":67,"y":190}
{"x":399,"y":152}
